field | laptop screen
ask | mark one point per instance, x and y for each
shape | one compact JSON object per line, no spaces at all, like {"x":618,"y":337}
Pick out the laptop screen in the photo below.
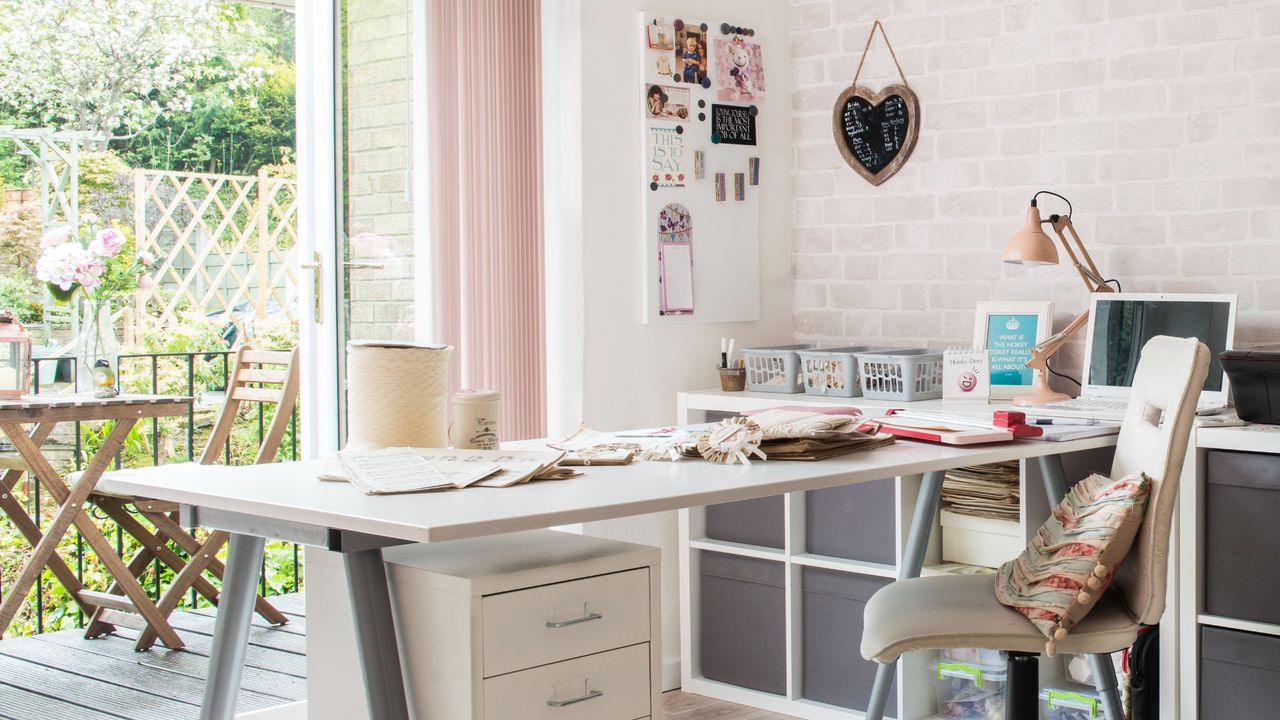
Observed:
{"x":1122,"y":325}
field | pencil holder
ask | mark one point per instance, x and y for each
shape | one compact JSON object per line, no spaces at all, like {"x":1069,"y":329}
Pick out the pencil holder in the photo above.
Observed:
{"x":733,"y":379}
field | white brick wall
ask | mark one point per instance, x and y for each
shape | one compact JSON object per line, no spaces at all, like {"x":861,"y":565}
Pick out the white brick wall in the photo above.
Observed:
{"x":379,"y":217}
{"x":1159,"y":119}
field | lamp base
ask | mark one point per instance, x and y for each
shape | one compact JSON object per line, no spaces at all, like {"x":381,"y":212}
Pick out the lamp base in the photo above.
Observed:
{"x":1041,"y":393}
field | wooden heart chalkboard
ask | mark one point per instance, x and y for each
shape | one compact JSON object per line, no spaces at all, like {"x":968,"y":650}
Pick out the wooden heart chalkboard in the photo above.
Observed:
{"x":876,"y":132}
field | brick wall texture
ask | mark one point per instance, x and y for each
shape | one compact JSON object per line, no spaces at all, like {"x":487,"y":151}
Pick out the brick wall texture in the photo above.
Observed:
{"x":1158,"y":119}
{"x":379,"y":214}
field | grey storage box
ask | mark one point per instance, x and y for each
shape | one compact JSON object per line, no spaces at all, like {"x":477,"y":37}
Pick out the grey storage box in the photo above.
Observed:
{"x":834,"y":671}
{"x":1242,"y":501}
{"x":753,"y":522}
{"x":742,"y":622}
{"x":855,"y":522}
{"x":1239,"y":675}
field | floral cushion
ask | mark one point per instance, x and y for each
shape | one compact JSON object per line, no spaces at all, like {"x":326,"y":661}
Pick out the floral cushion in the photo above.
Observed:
{"x":1067,"y":566}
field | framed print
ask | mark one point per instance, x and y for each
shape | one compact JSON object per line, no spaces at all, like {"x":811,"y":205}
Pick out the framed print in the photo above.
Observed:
{"x":1008,"y":331}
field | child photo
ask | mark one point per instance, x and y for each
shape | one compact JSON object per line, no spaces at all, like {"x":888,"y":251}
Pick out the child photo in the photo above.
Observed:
{"x":691,"y":54}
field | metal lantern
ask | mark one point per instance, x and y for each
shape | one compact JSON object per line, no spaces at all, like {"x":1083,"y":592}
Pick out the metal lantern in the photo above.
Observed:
{"x":15,"y":357}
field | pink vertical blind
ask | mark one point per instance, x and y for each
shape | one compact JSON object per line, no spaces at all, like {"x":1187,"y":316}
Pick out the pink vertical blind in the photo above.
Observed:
{"x":485,"y":130}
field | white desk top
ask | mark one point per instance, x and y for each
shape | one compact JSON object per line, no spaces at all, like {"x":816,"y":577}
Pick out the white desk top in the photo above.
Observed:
{"x":291,"y":492}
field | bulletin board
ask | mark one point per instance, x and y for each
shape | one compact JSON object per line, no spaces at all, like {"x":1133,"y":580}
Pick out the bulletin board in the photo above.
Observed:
{"x":702,"y":86}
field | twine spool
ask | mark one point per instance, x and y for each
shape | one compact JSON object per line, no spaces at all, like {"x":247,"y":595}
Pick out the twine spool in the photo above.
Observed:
{"x":397,"y":395}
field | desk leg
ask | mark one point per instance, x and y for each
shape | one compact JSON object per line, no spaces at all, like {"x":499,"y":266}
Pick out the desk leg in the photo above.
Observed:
{"x":912,"y":563}
{"x":376,"y":635}
{"x":231,"y":628}
{"x":1104,"y":673}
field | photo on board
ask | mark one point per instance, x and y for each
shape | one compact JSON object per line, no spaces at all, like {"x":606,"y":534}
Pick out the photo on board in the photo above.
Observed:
{"x":739,"y":69}
{"x":691,"y":54}
{"x":660,"y":36}
{"x":663,"y":102}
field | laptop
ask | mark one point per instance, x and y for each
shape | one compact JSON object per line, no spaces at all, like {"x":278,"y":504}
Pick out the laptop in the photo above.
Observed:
{"x":1120,"y":324}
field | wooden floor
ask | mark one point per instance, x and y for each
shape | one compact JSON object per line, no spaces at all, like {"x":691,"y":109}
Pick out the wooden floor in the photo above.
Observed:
{"x":62,"y":676}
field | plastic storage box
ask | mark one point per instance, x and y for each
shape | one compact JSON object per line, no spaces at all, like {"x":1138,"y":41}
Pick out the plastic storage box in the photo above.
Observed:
{"x":969,"y":691}
{"x":774,"y":369}
{"x":831,"y":372}
{"x":911,"y":374}
{"x":1072,"y":703}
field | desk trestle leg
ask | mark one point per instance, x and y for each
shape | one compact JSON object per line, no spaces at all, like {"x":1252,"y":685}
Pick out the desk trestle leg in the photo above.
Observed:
{"x":376,"y":635}
{"x":231,"y":629}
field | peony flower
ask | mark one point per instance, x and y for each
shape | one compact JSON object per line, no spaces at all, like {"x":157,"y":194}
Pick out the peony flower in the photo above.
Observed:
{"x":107,"y":243}
{"x":56,"y":236}
{"x":146,"y":258}
{"x":146,"y":282}
{"x":63,"y":265}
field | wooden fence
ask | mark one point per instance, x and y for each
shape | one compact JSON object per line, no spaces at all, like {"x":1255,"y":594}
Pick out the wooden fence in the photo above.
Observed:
{"x":226,"y":245}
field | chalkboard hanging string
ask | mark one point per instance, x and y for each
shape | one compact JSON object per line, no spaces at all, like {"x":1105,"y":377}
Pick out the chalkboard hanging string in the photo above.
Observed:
{"x":870,"y":36}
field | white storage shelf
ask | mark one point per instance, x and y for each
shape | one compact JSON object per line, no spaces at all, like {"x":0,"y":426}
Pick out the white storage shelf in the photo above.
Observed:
{"x":915,"y":686}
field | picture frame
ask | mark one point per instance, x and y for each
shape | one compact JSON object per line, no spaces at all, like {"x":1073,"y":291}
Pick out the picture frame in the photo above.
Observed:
{"x":1008,"y":331}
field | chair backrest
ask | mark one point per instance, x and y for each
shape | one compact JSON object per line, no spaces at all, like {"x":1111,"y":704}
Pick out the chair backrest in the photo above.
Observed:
{"x":1153,"y":439}
{"x":260,"y":376}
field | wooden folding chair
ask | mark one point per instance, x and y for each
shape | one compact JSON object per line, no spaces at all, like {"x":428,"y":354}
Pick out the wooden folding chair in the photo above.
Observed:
{"x":264,"y":377}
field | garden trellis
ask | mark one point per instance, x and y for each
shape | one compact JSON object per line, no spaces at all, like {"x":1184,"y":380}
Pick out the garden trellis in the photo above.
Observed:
{"x":226,"y":245}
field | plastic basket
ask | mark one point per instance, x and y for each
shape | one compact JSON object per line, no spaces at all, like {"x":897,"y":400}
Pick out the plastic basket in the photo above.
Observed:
{"x":832,"y":372}
{"x":912,"y":374}
{"x":774,"y":369}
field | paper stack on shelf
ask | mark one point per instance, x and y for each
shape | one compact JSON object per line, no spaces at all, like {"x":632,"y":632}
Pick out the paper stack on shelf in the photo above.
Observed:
{"x":986,"y":491}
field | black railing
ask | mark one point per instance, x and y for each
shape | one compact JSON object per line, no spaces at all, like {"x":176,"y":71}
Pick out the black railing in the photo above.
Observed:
{"x":215,"y":366}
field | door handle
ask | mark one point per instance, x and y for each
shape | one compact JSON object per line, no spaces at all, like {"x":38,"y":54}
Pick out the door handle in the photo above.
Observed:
{"x":314,"y":265}
{"x":365,"y":265}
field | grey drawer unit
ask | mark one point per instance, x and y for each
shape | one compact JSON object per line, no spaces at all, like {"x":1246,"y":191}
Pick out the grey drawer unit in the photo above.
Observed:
{"x":1242,"y":501}
{"x":856,"y":522}
{"x":1239,"y":675}
{"x":753,"y":522}
{"x":742,"y":622}
{"x":834,"y":671}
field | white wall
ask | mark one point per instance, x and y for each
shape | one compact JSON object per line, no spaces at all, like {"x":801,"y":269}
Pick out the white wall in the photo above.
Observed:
{"x":607,"y":368}
{"x":1159,"y":120}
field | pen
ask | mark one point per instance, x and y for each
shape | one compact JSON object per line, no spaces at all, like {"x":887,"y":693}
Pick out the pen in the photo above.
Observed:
{"x":1063,"y":421}
{"x":724,"y":353}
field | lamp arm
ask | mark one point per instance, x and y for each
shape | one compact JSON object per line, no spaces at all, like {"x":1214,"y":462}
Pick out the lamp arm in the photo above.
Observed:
{"x":1041,"y":353}
{"x":1094,"y":273}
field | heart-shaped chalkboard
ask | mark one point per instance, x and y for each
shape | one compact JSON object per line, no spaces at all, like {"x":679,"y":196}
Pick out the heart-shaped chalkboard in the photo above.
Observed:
{"x":876,"y":132}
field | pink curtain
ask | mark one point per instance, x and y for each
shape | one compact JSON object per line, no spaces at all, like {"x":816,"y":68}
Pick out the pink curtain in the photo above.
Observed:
{"x":485,"y":130}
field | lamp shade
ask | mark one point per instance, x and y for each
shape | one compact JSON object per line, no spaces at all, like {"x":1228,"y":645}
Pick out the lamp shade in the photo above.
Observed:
{"x":1030,"y":245}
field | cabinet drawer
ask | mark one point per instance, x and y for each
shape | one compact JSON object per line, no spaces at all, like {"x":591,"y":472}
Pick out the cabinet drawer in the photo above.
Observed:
{"x":612,"y":685}
{"x":526,"y":628}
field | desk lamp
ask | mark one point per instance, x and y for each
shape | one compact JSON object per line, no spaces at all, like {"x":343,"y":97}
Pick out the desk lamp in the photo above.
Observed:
{"x":1032,"y":246}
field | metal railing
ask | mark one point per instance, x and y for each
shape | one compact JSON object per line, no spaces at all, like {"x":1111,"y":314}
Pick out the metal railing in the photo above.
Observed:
{"x":187,"y":363}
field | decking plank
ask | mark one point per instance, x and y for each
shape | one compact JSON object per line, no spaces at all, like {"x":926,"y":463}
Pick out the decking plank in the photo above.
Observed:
{"x":297,"y":624}
{"x":90,"y":693}
{"x":22,"y":704}
{"x":257,"y":656}
{"x":265,"y":636}
{"x":161,"y":661}
{"x":92,"y":667}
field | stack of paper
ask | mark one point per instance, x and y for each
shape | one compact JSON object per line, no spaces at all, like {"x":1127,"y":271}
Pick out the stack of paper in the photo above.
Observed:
{"x":403,"y":470}
{"x":988,"y":491}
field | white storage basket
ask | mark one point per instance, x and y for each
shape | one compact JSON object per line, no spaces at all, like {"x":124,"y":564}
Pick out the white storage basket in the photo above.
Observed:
{"x":912,"y":374}
{"x":831,"y":372}
{"x":774,"y":369}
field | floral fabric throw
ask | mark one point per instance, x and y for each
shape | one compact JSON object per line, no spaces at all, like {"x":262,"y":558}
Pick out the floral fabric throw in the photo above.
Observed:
{"x":1063,"y":572}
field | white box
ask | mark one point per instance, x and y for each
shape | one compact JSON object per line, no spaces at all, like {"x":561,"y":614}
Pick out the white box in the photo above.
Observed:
{"x":980,"y":541}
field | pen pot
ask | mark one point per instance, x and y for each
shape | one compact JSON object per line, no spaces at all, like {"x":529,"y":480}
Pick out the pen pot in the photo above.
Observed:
{"x":733,"y":379}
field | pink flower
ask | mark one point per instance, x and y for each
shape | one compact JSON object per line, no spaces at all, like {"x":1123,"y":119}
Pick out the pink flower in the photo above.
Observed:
{"x":56,"y":236}
{"x":146,"y":258}
{"x":146,"y":282}
{"x":107,"y":243}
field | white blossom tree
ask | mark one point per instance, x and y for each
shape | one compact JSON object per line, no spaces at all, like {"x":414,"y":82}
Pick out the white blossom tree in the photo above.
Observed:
{"x":112,"y":67}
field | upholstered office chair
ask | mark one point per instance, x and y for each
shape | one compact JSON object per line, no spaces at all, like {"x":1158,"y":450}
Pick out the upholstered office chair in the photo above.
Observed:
{"x":962,"y":612}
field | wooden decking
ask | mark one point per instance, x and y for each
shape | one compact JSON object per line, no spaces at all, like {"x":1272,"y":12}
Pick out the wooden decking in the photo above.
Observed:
{"x":62,"y":676}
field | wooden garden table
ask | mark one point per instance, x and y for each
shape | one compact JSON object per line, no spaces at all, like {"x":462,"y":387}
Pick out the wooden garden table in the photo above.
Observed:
{"x":28,"y":422}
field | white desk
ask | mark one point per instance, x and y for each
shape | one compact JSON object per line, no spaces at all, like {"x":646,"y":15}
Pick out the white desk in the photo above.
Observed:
{"x":286,"y":501}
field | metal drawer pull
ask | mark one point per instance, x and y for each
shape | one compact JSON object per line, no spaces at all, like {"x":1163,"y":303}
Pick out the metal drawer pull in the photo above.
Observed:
{"x":566,"y":623}
{"x":589,"y":696}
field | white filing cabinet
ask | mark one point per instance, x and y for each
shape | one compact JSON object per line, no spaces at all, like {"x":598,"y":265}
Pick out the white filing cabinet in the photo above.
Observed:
{"x":539,"y":625}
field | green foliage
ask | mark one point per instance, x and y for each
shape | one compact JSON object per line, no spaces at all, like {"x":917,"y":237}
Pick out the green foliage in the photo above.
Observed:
{"x":19,"y":238}
{"x":106,"y":186}
{"x":20,"y":293}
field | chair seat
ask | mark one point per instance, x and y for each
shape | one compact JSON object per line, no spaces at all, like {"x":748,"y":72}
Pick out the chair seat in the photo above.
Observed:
{"x":961,"y":611}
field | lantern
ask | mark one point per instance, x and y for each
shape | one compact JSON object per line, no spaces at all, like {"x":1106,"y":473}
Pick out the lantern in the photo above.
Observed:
{"x":15,"y":357}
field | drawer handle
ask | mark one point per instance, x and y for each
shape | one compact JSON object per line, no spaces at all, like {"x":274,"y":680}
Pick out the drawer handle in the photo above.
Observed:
{"x":589,"y":696}
{"x":566,"y":623}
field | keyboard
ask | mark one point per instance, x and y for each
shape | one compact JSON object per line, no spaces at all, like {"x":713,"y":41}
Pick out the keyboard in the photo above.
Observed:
{"x":1100,"y":408}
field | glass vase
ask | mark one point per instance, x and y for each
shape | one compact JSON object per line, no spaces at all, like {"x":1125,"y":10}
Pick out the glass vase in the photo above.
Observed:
{"x":97,"y":351}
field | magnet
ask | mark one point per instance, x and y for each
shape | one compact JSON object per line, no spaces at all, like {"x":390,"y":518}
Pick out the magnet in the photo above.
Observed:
{"x":720,"y":188}
{"x":702,"y":103}
{"x":724,"y":28}
{"x":703,"y":26}
{"x":753,"y":170}
{"x":706,"y":82}
{"x":679,"y":129}
{"x":678,"y":24}
{"x":739,"y":186}
{"x":653,"y":186}
{"x":702,"y":117}
{"x":715,"y":137}
{"x":753,"y":110}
